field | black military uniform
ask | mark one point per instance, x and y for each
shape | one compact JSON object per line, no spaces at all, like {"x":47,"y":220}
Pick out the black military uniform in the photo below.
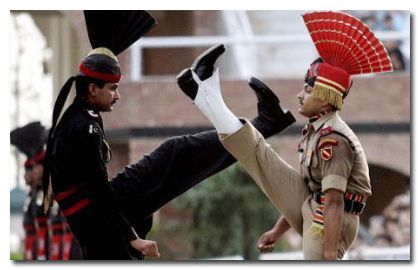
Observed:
{"x":62,"y":244}
{"x":80,"y":184}
{"x":77,"y":152}
{"x":30,"y":140}
{"x":29,"y":249}
{"x":41,"y":229}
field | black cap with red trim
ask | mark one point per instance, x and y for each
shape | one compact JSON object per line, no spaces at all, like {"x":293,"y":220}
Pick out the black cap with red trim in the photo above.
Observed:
{"x":30,"y":140}
{"x":110,"y":33}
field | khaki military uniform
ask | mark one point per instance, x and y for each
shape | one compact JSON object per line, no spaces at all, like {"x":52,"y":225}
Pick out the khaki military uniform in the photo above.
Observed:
{"x":331,"y":156}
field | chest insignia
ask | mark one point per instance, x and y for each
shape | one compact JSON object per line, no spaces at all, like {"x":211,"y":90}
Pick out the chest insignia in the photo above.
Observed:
{"x":93,"y":129}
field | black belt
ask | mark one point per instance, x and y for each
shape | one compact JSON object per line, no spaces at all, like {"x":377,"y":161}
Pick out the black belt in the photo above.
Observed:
{"x":351,"y":206}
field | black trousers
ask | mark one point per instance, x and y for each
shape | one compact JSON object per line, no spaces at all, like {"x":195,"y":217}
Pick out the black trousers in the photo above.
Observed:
{"x":178,"y":164}
{"x":100,"y":237}
{"x":175,"y":166}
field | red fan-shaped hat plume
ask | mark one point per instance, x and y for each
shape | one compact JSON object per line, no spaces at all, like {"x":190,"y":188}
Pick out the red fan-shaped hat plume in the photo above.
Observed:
{"x":346,"y":42}
{"x":347,"y":47}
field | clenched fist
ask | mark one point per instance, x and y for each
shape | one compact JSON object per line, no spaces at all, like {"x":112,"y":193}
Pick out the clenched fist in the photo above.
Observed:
{"x":148,"y":248}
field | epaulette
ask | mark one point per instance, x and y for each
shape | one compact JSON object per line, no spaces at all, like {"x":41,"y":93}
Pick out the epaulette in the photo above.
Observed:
{"x":325,"y":131}
{"x":329,"y":130}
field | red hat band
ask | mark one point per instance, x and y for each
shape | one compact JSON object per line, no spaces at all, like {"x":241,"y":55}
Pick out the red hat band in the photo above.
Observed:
{"x":113,"y":78}
{"x":36,"y":159}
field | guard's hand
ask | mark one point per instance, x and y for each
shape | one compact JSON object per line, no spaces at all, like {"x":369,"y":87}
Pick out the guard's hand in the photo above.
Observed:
{"x":267,"y":241}
{"x":148,"y":248}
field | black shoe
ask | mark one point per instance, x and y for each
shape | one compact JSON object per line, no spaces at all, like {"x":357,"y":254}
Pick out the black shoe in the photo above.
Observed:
{"x":203,"y":66}
{"x":271,"y":118}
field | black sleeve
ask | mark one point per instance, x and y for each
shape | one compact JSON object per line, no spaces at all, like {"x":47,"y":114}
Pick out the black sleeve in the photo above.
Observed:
{"x":99,"y":189}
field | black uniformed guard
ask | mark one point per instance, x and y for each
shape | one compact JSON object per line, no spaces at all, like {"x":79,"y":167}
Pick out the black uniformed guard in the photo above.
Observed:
{"x":42,"y":242}
{"x":77,"y":151}
{"x":30,"y":140}
{"x":105,"y":217}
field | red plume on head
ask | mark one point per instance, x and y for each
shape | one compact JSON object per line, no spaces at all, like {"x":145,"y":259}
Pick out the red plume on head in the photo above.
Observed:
{"x":346,"y":42}
{"x":348,"y":47}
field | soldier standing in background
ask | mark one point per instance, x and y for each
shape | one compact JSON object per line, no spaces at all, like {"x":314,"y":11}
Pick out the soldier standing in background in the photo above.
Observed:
{"x":30,"y":140}
{"x":42,"y":240}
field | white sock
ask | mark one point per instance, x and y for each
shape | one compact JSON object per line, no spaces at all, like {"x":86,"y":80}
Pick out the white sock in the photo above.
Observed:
{"x":210,"y":102}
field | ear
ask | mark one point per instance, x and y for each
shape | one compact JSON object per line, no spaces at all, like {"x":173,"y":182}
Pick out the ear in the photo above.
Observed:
{"x":92,"y":89}
{"x":326,"y":105}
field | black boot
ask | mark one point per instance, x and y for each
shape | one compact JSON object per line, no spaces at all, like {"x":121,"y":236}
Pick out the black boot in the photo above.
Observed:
{"x":272,"y":118}
{"x":203,"y":66}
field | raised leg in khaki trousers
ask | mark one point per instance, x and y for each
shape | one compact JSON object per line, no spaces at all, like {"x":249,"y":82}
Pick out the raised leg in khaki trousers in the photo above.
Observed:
{"x":285,"y":187}
{"x":282,"y":184}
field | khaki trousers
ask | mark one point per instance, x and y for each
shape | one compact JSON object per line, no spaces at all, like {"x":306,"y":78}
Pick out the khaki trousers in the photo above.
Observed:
{"x":286,"y":189}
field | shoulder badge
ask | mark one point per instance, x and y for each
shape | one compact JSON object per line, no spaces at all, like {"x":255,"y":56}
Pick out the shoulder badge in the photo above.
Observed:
{"x":325,"y":147}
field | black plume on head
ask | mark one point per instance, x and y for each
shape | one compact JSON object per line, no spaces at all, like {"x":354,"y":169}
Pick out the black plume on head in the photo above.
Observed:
{"x":29,"y":139}
{"x":117,"y":29}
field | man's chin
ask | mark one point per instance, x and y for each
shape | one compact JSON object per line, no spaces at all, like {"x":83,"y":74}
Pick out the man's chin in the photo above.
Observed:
{"x":302,"y":112}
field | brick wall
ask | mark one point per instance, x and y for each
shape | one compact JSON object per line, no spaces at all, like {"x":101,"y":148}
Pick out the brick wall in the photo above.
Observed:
{"x":379,"y":99}
{"x":160,"y":102}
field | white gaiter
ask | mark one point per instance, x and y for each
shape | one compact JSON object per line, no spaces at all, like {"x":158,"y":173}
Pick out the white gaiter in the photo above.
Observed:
{"x":210,"y":102}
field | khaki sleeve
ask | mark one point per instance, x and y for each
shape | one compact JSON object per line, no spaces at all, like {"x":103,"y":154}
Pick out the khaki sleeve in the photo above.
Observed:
{"x":336,"y":159}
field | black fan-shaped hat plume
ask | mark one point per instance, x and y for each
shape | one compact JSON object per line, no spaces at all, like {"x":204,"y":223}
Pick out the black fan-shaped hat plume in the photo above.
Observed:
{"x":29,"y":139}
{"x":117,"y":29}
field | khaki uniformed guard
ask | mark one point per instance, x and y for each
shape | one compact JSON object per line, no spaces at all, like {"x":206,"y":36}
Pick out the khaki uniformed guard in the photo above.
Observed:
{"x":323,"y":200}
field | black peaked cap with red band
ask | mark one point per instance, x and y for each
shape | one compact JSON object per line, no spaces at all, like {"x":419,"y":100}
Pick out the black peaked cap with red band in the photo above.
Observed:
{"x":347,"y":47}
